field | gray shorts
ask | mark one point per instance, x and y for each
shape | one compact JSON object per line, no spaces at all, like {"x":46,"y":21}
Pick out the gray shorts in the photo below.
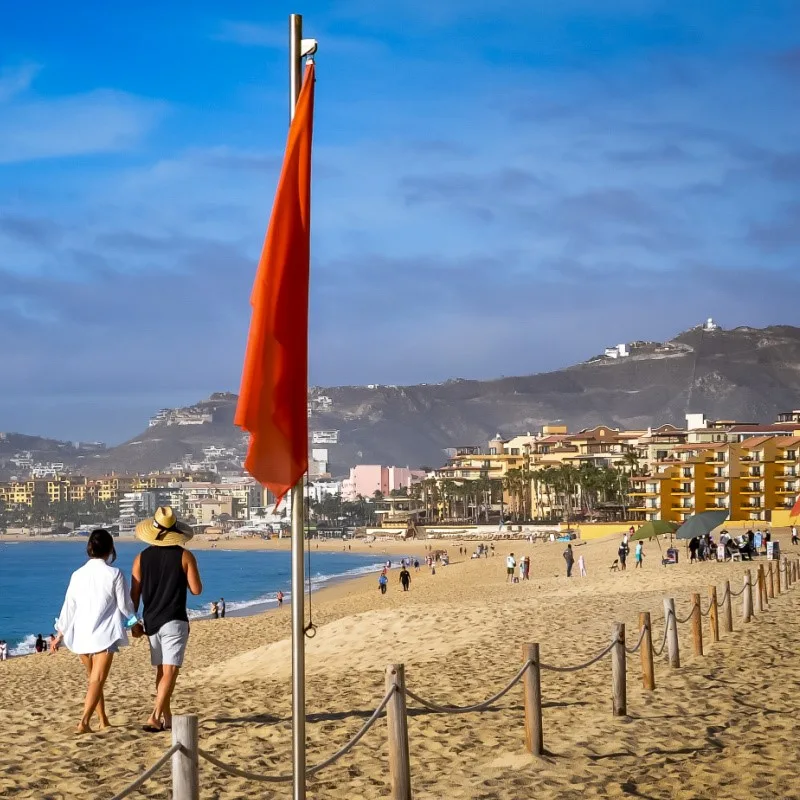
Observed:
{"x":168,"y":646}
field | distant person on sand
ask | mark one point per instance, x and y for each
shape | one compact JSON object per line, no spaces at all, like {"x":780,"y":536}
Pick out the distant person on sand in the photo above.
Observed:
{"x":569,"y":557}
{"x":214,"y":610}
{"x":638,"y":554}
{"x":794,"y":534}
{"x":405,"y":578}
{"x":162,"y":574}
{"x":622,"y":553}
{"x":3,"y":650}
{"x":280,"y":598}
{"x":511,"y":562}
{"x":383,"y":582}
{"x":416,"y":564}
{"x":222,"y":607}
{"x":581,"y":566}
{"x":53,"y":643}
{"x":39,"y":646}
{"x":93,"y":621}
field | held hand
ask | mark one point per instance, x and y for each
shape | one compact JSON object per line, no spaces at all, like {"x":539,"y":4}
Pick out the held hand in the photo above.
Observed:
{"x":137,"y":631}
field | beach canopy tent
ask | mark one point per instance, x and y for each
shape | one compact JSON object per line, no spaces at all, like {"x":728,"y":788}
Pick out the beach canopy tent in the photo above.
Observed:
{"x":655,"y":527}
{"x":701,"y":524}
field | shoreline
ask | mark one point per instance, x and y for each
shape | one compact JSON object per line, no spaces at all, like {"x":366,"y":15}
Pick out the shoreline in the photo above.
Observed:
{"x":255,"y":608}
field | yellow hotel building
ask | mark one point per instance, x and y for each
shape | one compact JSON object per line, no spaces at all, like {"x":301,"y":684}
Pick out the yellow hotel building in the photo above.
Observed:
{"x":753,"y":479}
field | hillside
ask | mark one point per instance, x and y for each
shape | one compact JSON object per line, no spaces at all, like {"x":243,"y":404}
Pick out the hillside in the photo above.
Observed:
{"x":746,"y":374}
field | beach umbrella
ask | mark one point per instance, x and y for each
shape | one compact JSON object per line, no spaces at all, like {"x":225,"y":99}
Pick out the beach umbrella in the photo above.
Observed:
{"x":701,"y":524}
{"x":655,"y":527}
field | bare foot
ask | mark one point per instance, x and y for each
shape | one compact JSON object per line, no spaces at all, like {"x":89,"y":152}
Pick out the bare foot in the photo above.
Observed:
{"x":82,"y":727}
{"x":104,"y":723}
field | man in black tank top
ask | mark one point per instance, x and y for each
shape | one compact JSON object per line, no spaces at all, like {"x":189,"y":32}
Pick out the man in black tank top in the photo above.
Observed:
{"x":162,"y":574}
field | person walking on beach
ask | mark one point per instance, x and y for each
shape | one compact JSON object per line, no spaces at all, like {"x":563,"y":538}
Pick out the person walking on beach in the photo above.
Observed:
{"x":794,"y":534}
{"x":279,"y":597}
{"x":39,"y":645}
{"x":3,"y":650}
{"x":162,"y":574}
{"x":511,"y":562}
{"x":214,"y":610}
{"x":405,"y":578}
{"x":416,"y":565}
{"x":94,"y":619}
{"x":638,"y":554}
{"x":222,"y":607}
{"x":569,"y":557}
{"x":383,"y":582}
{"x":581,"y":566}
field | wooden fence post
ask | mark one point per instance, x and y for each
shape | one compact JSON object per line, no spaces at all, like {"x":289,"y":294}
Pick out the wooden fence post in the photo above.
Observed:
{"x":532,"y":681}
{"x":747,"y":598}
{"x":787,"y":578}
{"x":619,"y":693}
{"x":713,"y":614}
{"x":186,"y":762}
{"x":771,"y":583}
{"x":780,"y":576}
{"x":648,"y":673}
{"x":762,"y":576}
{"x":397,"y":723}
{"x":759,"y":598}
{"x":727,"y":609}
{"x":671,"y":622}
{"x":697,"y":626}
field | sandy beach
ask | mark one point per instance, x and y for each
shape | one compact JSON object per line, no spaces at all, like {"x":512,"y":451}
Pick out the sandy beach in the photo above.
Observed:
{"x":720,"y":726}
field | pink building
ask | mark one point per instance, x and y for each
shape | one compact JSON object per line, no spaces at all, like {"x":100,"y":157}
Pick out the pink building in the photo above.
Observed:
{"x":366,"y":479}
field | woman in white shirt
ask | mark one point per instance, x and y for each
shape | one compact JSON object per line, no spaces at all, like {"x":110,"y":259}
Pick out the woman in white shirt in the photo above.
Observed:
{"x":94,"y":620}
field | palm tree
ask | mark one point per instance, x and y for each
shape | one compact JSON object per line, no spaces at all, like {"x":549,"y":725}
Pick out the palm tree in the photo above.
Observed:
{"x":589,"y":480}
{"x":482,"y":488}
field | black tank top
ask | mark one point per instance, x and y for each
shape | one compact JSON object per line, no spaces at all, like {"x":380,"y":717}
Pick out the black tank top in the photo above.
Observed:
{"x":163,"y":587}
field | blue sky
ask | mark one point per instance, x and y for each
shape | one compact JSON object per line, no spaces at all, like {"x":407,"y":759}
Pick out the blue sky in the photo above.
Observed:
{"x":498,"y":190}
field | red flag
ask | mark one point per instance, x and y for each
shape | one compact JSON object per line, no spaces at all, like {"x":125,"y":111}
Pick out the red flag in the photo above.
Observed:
{"x":273,"y":398}
{"x":796,"y":509}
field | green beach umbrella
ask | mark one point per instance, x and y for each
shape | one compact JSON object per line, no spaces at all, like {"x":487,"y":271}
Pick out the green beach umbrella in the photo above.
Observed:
{"x":655,"y":527}
{"x":701,"y":524}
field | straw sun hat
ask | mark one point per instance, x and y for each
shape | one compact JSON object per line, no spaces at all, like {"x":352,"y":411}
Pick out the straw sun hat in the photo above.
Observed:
{"x":164,"y":529}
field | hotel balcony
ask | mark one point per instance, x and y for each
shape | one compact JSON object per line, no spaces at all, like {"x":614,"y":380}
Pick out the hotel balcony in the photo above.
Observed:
{"x":751,"y":490}
{"x":786,"y":490}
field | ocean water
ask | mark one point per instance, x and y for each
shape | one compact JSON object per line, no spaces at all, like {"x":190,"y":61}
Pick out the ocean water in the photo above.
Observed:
{"x":34,"y":578}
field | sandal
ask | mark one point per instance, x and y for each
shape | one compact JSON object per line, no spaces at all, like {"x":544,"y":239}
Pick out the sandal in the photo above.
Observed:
{"x":148,"y":728}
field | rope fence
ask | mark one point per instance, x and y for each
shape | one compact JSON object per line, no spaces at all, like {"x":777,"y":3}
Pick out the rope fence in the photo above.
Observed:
{"x":638,"y":644}
{"x":186,"y":753}
{"x":448,"y":709}
{"x":147,"y":774}
{"x":578,"y":667}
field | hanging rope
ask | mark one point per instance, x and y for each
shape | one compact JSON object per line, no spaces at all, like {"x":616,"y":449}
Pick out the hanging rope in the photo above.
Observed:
{"x":638,"y":644}
{"x":660,"y":650}
{"x":310,"y":630}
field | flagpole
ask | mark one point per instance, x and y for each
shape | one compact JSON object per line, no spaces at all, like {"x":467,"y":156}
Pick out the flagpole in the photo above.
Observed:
{"x":298,"y":577}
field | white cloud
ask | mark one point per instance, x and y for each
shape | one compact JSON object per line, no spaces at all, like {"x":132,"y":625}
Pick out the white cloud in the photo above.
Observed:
{"x":101,"y":121}
{"x":16,"y":80}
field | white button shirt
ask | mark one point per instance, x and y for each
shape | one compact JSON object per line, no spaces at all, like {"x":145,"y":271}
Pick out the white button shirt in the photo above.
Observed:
{"x":96,"y":608}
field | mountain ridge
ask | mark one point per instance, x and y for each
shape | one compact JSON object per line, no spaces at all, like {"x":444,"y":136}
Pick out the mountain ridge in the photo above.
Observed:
{"x":748,"y":374}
